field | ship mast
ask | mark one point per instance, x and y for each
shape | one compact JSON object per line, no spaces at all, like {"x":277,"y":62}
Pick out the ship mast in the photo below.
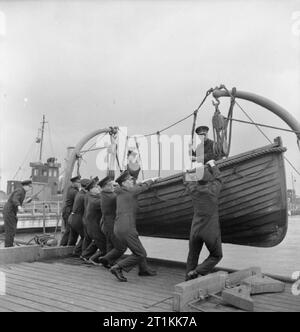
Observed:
{"x":42,"y":138}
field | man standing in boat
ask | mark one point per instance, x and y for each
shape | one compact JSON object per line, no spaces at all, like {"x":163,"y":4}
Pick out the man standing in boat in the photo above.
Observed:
{"x":10,"y":210}
{"x":209,"y":150}
{"x":205,"y":227}
{"x":67,"y":209}
{"x":125,"y":226}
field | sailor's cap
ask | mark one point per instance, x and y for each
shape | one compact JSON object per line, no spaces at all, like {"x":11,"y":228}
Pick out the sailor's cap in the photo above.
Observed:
{"x":201,"y":129}
{"x":26,"y":183}
{"x":105,"y":181}
{"x":75,"y":178}
{"x":123,"y":177}
{"x":90,"y":185}
{"x":85,"y":182}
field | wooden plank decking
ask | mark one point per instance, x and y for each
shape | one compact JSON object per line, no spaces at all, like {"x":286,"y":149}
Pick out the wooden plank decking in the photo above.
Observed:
{"x":67,"y":284}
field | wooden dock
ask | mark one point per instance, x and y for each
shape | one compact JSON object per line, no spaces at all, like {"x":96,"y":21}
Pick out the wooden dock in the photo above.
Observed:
{"x":68,"y":284}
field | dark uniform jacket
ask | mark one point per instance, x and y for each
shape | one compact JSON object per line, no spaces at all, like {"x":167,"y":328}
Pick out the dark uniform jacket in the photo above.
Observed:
{"x":93,"y":212}
{"x":75,"y":219}
{"x":108,"y":206}
{"x":78,"y":206}
{"x":208,"y":151}
{"x":15,"y":199}
{"x":205,"y":195}
{"x":70,"y":198}
{"x":85,"y":205}
{"x":127,"y":206}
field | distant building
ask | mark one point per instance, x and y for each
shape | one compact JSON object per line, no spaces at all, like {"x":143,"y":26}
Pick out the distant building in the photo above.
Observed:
{"x":293,"y":201}
{"x":45,"y":180}
{"x":12,"y":185}
{"x":3,"y":196}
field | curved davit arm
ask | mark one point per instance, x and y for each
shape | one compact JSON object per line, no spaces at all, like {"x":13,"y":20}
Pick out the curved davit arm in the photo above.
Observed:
{"x":264,"y":102}
{"x":75,"y":154}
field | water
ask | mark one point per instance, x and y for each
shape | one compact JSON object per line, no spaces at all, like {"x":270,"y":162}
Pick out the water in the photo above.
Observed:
{"x":283,"y":259}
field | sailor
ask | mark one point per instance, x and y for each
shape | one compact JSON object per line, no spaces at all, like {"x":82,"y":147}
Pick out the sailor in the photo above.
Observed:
{"x":133,"y":164}
{"x":125,"y":226}
{"x":109,"y":205}
{"x":75,"y":218}
{"x":10,"y":210}
{"x":205,"y":227}
{"x":92,"y":220}
{"x":67,"y":209}
{"x":209,"y":154}
{"x":88,"y":245}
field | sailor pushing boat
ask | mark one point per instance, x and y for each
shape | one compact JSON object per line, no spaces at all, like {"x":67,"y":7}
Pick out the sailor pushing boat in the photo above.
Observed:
{"x":125,"y":226}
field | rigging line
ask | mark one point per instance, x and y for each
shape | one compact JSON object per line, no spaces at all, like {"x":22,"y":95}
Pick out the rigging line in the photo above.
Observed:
{"x":95,"y":149}
{"x":140,"y":158}
{"x":22,"y":164}
{"x":50,"y":139}
{"x":159,"y":153}
{"x":241,"y":108}
{"x":91,"y":147}
{"x":263,"y":125}
{"x":183,"y":119}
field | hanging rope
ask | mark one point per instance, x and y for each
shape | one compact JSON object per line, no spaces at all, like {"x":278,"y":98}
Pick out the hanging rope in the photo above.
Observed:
{"x":193,"y":134}
{"x":194,"y":126}
{"x":260,"y":130}
{"x":140,"y":157}
{"x":229,"y":118}
{"x":125,"y":152}
{"x":79,"y":159}
{"x":222,"y":135}
{"x":159,"y":153}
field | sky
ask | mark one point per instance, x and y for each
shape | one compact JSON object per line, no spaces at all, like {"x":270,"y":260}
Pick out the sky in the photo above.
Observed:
{"x":143,"y":65}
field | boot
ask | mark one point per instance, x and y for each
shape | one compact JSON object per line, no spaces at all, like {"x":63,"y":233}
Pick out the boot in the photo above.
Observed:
{"x":147,"y":273}
{"x":191,"y":275}
{"x":104,"y":262}
{"x":117,"y":272}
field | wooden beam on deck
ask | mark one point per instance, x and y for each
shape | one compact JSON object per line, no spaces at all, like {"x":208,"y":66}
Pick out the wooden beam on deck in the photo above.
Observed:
{"x":192,"y":290}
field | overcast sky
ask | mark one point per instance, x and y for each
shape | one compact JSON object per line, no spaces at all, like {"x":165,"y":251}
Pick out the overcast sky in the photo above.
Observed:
{"x":140,"y":64}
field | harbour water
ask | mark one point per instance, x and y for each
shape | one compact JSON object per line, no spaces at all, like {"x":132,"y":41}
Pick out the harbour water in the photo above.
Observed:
{"x":283,"y":259}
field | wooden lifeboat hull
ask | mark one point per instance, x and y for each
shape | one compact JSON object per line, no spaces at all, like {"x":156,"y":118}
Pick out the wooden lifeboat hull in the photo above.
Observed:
{"x":252,"y":205}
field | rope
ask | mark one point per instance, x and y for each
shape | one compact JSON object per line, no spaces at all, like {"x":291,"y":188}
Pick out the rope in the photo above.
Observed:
{"x":181,"y":120}
{"x":267,"y":126}
{"x":125,"y":151}
{"x":230,"y":114}
{"x":140,"y":157}
{"x":159,"y":153}
{"x":27,"y":155}
{"x":83,"y":152}
{"x":50,"y":139}
{"x":256,"y":125}
{"x":229,"y":162}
